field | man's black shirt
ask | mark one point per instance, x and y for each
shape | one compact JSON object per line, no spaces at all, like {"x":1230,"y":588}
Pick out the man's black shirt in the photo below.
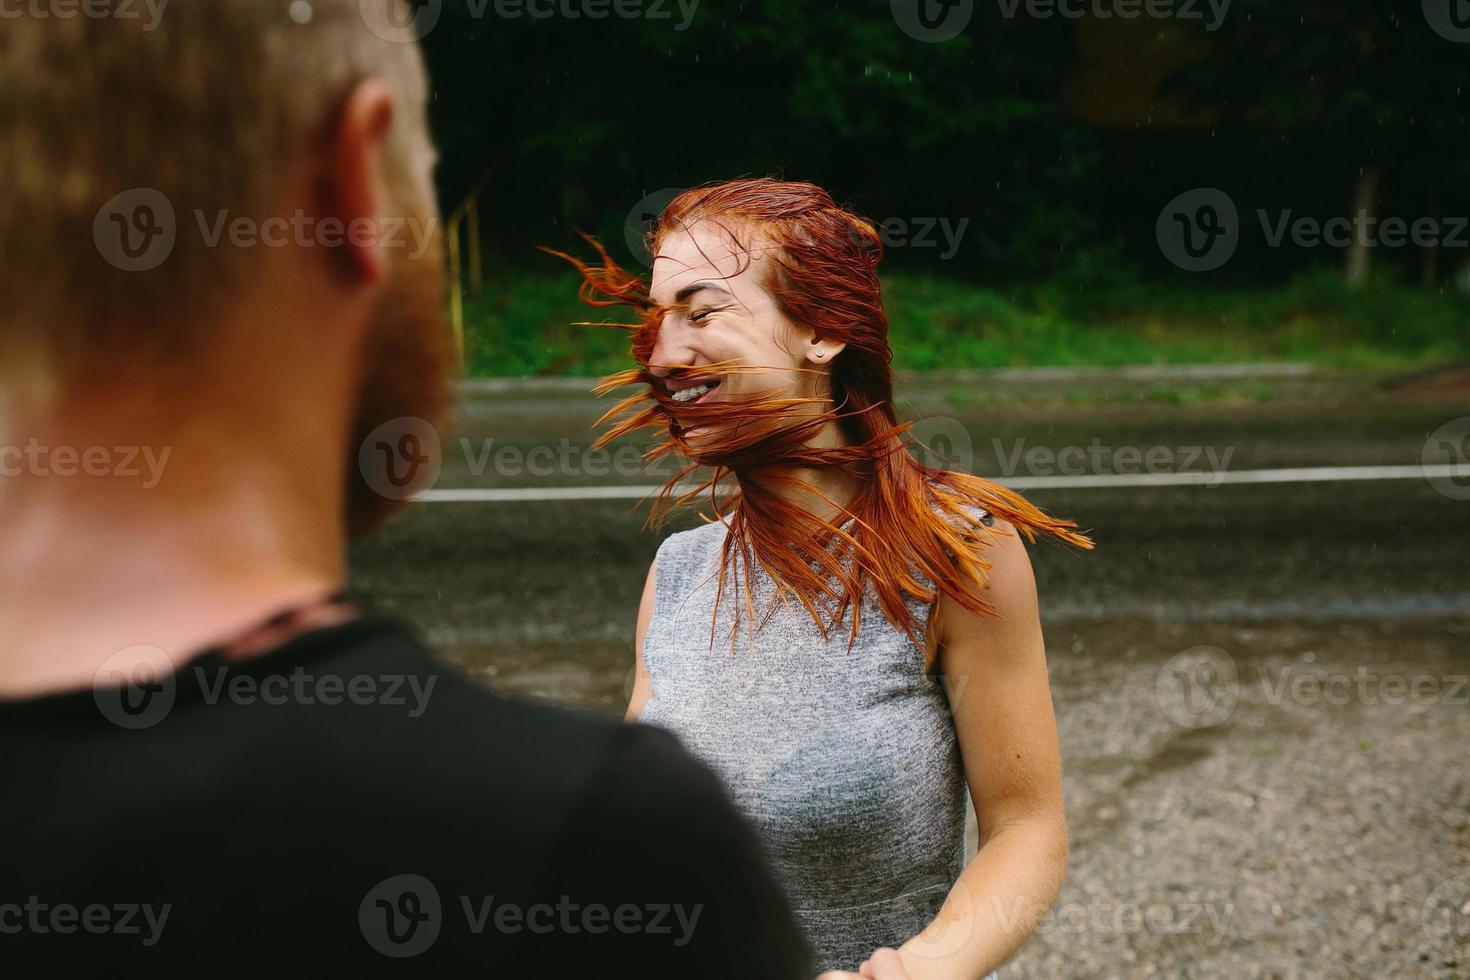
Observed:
{"x":347,"y":802}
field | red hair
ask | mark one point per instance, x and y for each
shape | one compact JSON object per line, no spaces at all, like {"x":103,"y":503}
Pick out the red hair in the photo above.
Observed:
{"x":909,"y":522}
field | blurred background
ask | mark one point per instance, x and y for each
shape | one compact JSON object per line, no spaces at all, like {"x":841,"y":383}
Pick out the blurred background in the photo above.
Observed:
{"x":1194,"y":274}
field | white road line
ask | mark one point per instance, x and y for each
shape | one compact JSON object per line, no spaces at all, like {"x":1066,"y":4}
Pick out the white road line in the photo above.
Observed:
{"x":1312,"y":474}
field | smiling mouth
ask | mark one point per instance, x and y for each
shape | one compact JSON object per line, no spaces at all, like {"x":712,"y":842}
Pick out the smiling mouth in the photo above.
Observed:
{"x":690,"y":396}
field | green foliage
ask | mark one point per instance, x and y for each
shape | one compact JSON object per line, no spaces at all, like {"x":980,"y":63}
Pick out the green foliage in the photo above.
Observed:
{"x":522,"y":325}
{"x":576,"y":119}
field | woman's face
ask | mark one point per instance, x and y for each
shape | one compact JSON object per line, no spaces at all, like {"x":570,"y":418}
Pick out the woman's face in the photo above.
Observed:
{"x":717,"y":309}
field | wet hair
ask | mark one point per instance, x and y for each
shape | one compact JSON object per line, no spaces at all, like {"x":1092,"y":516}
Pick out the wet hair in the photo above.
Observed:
{"x":908,"y":523}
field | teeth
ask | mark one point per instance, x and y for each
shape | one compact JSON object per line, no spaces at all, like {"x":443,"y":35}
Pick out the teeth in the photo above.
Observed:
{"x":689,"y":394}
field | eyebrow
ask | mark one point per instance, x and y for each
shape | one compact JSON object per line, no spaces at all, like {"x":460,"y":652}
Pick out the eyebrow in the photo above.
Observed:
{"x":699,"y":287}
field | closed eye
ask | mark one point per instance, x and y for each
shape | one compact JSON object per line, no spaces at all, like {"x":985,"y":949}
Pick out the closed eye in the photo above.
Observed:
{"x":698,"y":317}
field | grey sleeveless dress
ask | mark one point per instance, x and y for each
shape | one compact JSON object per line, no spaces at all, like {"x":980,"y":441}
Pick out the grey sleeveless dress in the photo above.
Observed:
{"x":846,"y":763}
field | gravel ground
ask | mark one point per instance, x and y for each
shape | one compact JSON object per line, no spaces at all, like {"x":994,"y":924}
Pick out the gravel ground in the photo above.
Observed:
{"x":1260,"y":689}
{"x":1309,"y":819}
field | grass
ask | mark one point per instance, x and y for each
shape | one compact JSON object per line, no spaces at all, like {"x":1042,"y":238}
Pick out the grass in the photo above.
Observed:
{"x":520,"y":325}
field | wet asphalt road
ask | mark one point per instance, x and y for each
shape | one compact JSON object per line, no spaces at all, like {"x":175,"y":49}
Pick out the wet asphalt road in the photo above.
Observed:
{"x":1250,"y":792}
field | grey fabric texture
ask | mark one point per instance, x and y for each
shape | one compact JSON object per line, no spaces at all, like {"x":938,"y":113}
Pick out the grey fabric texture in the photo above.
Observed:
{"x":845,"y":762}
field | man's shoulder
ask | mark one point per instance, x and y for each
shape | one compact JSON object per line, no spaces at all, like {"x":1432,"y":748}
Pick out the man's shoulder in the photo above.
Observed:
{"x":411,"y":694}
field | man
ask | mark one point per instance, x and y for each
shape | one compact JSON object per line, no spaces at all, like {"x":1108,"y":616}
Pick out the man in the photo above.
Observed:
{"x":220,"y":344}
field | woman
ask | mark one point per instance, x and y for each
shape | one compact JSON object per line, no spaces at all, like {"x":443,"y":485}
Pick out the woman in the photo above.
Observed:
{"x":762,"y":343}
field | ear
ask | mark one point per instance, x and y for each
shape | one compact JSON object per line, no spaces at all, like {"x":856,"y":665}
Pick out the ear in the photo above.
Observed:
{"x":357,"y":188}
{"x":820,"y":351}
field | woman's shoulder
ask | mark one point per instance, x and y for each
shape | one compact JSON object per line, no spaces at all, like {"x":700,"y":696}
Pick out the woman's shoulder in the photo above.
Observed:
{"x":976,"y":513}
{"x":691,"y":545}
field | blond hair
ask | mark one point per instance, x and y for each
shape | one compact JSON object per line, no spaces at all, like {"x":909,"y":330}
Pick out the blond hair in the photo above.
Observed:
{"x":207,"y":107}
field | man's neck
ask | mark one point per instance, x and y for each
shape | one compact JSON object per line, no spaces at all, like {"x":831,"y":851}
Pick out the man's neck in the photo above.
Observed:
{"x":218,"y":536}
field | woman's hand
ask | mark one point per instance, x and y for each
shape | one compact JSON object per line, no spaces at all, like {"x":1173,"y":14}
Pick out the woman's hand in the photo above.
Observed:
{"x":884,"y":964}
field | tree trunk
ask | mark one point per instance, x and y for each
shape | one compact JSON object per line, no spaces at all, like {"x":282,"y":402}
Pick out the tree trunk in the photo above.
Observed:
{"x":1365,"y":203}
{"x":1429,"y":271}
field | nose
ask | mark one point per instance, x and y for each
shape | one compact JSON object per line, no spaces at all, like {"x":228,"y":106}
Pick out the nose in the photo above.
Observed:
{"x":673,"y":347}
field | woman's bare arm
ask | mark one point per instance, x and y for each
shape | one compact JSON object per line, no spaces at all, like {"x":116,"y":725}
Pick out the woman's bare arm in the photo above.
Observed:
{"x":995,"y":670}
{"x":642,"y":686}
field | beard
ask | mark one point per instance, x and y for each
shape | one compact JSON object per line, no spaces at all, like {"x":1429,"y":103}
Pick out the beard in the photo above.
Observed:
{"x":407,"y":359}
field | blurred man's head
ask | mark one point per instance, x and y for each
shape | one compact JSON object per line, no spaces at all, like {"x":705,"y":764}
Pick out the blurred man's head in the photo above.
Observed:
{"x":232,"y":189}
